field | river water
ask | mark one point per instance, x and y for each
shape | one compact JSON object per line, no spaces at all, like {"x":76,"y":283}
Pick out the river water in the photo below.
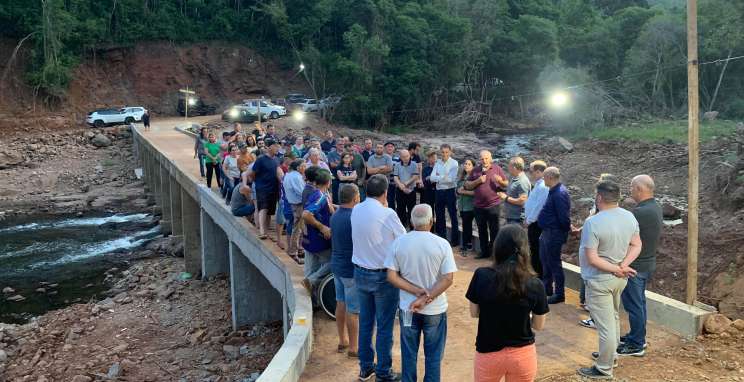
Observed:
{"x":67,"y":257}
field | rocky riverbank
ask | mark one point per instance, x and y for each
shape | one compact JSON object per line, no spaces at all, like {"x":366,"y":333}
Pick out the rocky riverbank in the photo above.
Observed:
{"x":158,"y":325}
{"x":70,"y":172}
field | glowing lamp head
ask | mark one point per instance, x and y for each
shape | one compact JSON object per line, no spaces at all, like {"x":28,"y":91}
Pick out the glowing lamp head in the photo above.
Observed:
{"x":298,"y":115}
{"x":302,"y":67}
{"x":559,"y":100}
{"x":192,"y":101}
{"x":234,"y":113}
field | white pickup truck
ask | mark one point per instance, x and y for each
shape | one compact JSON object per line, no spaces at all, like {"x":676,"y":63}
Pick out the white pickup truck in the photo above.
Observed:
{"x":267,"y":108}
{"x":109,"y":117}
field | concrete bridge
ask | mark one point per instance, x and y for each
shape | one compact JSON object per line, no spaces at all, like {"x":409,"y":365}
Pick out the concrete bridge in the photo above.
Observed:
{"x":265,"y":283}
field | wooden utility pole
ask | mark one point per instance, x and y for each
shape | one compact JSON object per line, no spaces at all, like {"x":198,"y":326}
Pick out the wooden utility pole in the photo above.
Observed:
{"x":693,"y":142}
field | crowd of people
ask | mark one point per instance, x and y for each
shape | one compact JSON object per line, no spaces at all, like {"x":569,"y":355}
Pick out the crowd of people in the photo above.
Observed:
{"x":384,"y":221}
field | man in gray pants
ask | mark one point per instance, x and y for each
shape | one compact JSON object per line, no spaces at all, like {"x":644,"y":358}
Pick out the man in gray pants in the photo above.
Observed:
{"x":610,"y":242}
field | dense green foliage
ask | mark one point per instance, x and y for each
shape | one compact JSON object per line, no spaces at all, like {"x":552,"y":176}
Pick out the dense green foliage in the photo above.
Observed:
{"x":399,"y":60}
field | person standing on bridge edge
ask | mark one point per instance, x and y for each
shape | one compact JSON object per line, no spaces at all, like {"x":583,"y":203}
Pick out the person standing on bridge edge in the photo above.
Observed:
{"x":201,"y":139}
{"x":373,"y":228}
{"x":266,"y":177}
{"x":532,"y":207}
{"x":294,"y":184}
{"x":486,"y":180}
{"x":610,"y":242}
{"x":146,"y":120}
{"x":516,"y":193}
{"x":422,"y":266}
{"x":444,"y":175}
{"x":212,"y":159}
{"x":342,"y":249}
{"x":650,"y":221}
{"x":509,"y":302}
{"x":555,"y":222}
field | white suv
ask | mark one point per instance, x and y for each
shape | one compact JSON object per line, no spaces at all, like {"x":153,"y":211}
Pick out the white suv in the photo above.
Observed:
{"x":267,"y":108}
{"x":108,"y":117}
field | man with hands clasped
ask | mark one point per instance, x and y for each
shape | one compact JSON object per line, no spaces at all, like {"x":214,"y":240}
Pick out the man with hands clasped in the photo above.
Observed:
{"x":610,"y":242}
{"x":422,"y":266}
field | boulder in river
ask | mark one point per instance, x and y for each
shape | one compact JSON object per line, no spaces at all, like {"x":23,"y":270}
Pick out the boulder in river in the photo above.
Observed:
{"x":557,"y":145}
{"x":670,"y":212}
{"x":16,"y":298}
{"x":8,"y":290}
{"x":101,"y":140}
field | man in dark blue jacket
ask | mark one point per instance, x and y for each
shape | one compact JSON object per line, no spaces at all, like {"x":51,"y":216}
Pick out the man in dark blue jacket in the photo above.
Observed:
{"x":555,"y":221}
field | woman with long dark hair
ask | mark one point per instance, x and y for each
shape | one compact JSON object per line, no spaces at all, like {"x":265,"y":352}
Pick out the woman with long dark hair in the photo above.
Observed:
{"x":465,"y":206}
{"x":509,"y":302}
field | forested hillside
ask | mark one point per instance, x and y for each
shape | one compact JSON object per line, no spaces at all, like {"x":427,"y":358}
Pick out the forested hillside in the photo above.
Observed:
{"x":397,"y":61}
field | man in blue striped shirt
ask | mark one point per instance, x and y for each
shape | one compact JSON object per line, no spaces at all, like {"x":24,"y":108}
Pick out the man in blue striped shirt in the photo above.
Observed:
{"x":555,"y":221}
{"x":532,"y":208}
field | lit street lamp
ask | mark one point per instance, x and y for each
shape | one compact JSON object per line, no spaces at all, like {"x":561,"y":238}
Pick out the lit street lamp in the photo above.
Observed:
{"x":559,"y":99}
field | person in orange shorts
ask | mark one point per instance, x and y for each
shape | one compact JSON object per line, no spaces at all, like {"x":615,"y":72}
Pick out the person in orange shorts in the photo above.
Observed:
{"x":509,"y":302}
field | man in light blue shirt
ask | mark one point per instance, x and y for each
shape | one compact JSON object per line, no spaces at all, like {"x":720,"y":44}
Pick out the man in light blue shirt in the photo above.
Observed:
{"x":445,"y":176}
{"x":294,"y":184}
{"x":532,"y":208}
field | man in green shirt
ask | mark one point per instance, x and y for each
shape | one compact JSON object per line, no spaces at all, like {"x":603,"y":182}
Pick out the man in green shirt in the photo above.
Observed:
{"x":650,"y":221}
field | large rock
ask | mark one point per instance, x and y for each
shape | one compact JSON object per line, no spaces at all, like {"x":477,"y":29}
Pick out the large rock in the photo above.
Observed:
{"x":716,"y":324}
{"x":100,"y":140}
{"x":557,"y":145}
{"x":670,"y":212}
{"x":10,"y":159}
{"x":710,"y":115}
{"x":738,"y":324}
{"x":8,"y":290}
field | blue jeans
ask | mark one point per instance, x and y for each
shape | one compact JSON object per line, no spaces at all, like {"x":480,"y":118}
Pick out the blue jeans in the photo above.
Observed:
{"x":447,"y":199}
{"x":378,"y":302}
{"x":551,"y":241}
{"x":317,"y":265}
{"x":246,"y":210}
{"x":634,"y":302}
{"x":201,"y":164}
{"x":434,"y":328}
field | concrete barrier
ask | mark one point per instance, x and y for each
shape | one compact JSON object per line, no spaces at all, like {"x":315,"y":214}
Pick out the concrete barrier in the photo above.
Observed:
{"x":263,"y":287}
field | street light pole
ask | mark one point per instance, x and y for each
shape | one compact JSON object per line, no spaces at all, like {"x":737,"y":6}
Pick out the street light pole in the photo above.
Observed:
{"x":693,"y":142}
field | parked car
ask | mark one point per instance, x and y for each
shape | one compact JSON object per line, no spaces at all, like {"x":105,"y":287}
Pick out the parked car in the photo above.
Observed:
{"x":309,"y":105}
{"x":267,"y":108}
{"x":110,"y":117}
{"x":198,"y":108}
{"x":329,"y":102}
{"x":295,"y":98}
{"x":239,"y":113}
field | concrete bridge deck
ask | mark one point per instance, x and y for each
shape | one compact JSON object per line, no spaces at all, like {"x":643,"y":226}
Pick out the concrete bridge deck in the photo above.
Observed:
{"x":562,"y":347}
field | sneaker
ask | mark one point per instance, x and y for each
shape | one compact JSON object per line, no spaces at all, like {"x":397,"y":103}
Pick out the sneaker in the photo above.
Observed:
{"x":588,"y":323}
{"x":630,"y":350}
{"x":595,"y":356}
{"x":593,"y":373}
{"x":624,"y":340}
{"x":388,"y":378}
{"x":365,"y":375}
{"x":556,"y":299}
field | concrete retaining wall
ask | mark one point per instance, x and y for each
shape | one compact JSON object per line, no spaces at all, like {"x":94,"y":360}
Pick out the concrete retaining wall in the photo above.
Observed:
{"x":263,"y":287}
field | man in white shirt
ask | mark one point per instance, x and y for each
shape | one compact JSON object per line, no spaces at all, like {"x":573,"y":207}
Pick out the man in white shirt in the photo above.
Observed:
{"x":422,"y":266}
{"x":444,"y":175}
{"x":373,"y":228}
{"x":533,"y":206}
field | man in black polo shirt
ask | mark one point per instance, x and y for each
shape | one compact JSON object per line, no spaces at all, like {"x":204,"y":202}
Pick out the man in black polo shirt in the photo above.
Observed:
{"x":650,"y":220}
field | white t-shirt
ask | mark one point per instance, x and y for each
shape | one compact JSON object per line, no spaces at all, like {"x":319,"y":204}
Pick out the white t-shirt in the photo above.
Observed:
{"x":233,"y":171}
{"x":421,"y":258}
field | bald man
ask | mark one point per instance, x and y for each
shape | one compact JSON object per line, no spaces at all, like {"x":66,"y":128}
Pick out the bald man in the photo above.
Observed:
{"x":650,"y":221}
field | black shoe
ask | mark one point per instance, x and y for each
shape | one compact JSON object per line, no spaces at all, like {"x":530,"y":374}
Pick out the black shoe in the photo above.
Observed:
{"x":593,"y":373}
{"x":365,"y":375}
{"x":595,"y":356}
{"x":631,"y":350}
{"x":389,"y":378}
{"x":556,"y":299}
{"x":624,"y":340}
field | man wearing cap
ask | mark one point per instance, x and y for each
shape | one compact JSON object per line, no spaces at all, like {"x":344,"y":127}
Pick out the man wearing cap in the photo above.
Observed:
{"x":267,"y":175}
